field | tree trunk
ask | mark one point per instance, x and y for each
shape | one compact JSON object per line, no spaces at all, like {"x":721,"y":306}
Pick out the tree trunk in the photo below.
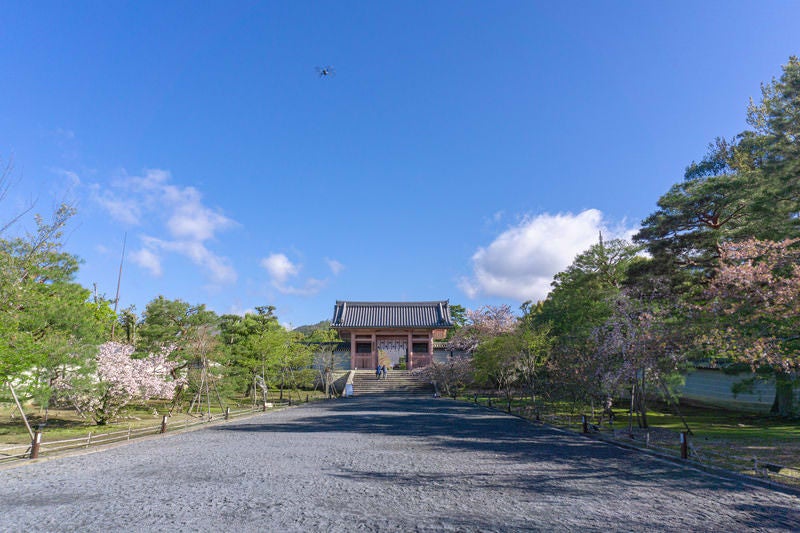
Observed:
{"x":643,"y":402}
{"x":641,"y":408}
{"x":784,"y":404}
{"x":328,"y":383}
{"x":630,"y":413}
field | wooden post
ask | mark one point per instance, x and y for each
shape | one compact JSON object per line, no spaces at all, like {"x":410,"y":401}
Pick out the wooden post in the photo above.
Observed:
{"x":410,"y":351}
{"x":373,"y":346}
{"x":164,"y":424}
{"x":35,"y":443}
{"x":119,"y":282}
{"x":21,"y":412}
{"x":684,"y":445}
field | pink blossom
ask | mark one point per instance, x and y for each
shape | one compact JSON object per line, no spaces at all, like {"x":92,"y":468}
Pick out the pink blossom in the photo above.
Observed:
{"x":120,"y":379}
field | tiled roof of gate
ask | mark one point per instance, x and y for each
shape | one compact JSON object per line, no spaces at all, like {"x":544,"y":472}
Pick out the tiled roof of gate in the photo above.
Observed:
{"x":432,"y":315}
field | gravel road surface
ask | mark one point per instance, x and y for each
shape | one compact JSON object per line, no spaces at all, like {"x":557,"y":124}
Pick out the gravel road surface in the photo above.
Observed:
{"x":372,"y":464}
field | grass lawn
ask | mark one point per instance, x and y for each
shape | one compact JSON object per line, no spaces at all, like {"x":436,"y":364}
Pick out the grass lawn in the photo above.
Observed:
{"x":730,"y":438}
{"x":735,"y":435}
{"x":67,"y":423}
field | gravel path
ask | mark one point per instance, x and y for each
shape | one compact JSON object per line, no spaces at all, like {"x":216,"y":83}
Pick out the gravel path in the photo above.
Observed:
{"x":369,"y":464}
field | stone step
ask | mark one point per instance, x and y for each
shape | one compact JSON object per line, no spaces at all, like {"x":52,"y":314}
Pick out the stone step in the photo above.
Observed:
{"x":375,"y":387}
{"x":396,"y":383}
{"x":404,"y":387}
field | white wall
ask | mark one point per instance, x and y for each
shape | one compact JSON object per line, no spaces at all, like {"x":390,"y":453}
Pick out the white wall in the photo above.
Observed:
{"x":714,"y":387}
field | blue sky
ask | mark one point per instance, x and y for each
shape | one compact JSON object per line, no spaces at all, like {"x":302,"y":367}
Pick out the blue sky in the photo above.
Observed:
{"x":463,"y":150}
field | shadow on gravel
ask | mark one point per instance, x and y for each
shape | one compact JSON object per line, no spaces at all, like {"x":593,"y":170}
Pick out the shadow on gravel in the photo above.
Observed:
{"x":763,"y":514}
{"x":554,"y":457}
{"x":561,"y":484}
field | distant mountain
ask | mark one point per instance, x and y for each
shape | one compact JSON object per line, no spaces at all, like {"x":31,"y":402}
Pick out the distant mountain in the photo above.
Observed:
{"x":311,"y":328}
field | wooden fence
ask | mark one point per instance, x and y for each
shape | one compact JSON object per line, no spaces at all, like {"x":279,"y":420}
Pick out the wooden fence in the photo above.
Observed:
{"x":665,"y":441}
{"x":11,"y":453}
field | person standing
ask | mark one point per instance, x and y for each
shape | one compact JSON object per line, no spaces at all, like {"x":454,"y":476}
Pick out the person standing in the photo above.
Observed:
{"x":383,"y":370}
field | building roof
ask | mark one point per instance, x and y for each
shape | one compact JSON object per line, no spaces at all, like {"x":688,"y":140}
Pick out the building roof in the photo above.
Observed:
{"x":423,"y":315}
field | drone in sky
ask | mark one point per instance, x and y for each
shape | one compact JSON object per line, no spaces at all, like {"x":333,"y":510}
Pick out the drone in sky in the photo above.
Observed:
{"x":326,"y":72}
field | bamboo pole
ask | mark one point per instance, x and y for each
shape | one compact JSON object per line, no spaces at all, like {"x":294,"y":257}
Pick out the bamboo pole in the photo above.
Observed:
{"x":119,"y":281}
{"x":21,"y":412}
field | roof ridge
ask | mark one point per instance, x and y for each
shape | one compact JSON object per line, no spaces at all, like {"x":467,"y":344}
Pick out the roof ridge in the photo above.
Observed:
{"x":427,"y":302}
{"x":433,"y":314}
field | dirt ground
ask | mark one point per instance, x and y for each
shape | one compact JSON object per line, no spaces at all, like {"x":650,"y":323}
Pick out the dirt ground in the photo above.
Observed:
{"x":371,"y":464}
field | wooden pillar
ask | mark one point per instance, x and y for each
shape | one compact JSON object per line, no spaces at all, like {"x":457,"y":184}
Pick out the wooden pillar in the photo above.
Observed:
{"x":374,"y":348}
{"x":352,"y":350}
{"x":430,"y":347}
{"x":409,"y":363}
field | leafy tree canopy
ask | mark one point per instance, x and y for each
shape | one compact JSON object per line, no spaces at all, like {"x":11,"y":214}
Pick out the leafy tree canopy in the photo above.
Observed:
{"x":748,"y":187}
{"x":173,"y":323}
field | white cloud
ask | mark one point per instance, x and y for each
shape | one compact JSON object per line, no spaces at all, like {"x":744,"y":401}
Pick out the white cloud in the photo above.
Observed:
{"x":521,"y":262}
{"x":280,"y":268}
{"x":196,"y":222}
{"x":126,"y":211}
{"x":180,"y":211}
{"x":153,"y":179}
{"x":219,"y":268}
{"x":335,"y":266}
{"x":311,"y":287}
{"x":148,"y":260}
{"x":72,"y":177}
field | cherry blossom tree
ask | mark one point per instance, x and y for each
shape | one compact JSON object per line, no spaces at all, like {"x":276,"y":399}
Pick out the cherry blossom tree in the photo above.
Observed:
{"x":489,"y":327}
{"x":622,"y":353}
{"x":118,"y":380}
{"x":483,"y":323}
{"x":638,"y":348}
{"x":754,"y":310}
{"x":451,"y":376}
{"x":580,"y":302}
{"x":322,"y":343}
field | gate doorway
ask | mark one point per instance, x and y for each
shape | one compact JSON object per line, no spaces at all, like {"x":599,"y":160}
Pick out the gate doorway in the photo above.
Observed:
{"x":394,"y":349}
